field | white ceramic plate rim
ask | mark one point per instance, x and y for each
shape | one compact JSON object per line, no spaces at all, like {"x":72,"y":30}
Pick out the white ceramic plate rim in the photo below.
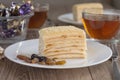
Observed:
{"x":68,"y":18}
{"x":7,"y":51}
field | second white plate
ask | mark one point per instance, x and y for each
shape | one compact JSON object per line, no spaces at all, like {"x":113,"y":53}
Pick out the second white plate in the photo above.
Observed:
{"x":68,"y":18}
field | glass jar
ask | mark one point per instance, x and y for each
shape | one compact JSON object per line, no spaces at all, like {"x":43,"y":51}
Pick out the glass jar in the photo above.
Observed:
{"x":14,"y":28}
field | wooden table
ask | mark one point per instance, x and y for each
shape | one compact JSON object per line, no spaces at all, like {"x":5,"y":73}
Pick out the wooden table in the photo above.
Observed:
{"x":12,"y":71}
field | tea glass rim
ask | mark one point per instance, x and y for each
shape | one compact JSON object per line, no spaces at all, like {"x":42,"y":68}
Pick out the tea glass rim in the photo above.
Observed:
{"x":115,"y":12}
{"x":44,"y":5}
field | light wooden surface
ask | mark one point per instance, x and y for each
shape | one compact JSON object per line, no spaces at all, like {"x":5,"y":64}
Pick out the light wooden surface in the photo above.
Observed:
{"x":12,"y":71}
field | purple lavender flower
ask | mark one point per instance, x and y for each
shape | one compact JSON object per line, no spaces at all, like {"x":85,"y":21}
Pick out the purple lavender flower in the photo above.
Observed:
{"x":7,"y":33}
{"x":25,"y":9}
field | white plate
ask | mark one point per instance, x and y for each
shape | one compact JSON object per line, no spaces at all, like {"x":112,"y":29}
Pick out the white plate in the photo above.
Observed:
{"x":68,"y":18}
{"x":97,"y":53}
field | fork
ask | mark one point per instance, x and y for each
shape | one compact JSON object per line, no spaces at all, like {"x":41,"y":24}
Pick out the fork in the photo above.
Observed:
{"x":115,"y":69}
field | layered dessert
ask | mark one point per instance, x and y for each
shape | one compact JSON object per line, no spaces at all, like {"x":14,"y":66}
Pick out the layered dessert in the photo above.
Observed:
{"x":62,"y":42}
{"x":78,"y":8}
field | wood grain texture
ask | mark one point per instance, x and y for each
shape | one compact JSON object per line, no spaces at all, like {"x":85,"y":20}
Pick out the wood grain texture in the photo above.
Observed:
{"x":13,"y":71}
{"x":101,"y":71}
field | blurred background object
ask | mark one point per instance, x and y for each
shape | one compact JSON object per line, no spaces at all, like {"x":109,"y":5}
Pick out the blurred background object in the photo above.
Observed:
{"x":115,"y":3}
{"x":58,"y":7}
{"x":40,"y":15}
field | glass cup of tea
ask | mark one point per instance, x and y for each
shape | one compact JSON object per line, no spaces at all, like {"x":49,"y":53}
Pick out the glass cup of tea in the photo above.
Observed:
{"x":40,"y":15}
{"x":102,"y":25}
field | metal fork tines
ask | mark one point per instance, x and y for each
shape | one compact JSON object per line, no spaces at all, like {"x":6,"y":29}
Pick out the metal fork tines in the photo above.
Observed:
{"x":115,"y":69}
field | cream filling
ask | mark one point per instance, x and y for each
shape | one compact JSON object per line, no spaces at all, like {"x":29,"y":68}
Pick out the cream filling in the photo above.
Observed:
{"x":61,"y":49}
{"x":62,"y":39}
{"x":64,"y":52}
{"x":59,"y":42}
{"x":65,"y":56}
{"x":67,"y":41}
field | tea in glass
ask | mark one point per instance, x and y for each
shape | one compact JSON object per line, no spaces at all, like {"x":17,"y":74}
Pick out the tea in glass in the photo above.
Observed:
{"x":103,"y":26}
{"x":40,"y":15}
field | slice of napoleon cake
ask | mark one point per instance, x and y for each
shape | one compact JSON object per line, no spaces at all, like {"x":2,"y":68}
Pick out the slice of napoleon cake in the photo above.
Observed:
{"x":63,"y":42}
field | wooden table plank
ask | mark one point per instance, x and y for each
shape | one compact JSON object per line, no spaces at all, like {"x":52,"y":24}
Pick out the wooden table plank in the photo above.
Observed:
{"x":69,"y":74}
{"x":13,"y":71}
{"x":101,"y":71}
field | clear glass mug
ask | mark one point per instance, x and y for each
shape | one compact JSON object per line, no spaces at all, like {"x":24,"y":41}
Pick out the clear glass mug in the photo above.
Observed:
{"x":40,"y":15}
{"x":102,"y":25}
